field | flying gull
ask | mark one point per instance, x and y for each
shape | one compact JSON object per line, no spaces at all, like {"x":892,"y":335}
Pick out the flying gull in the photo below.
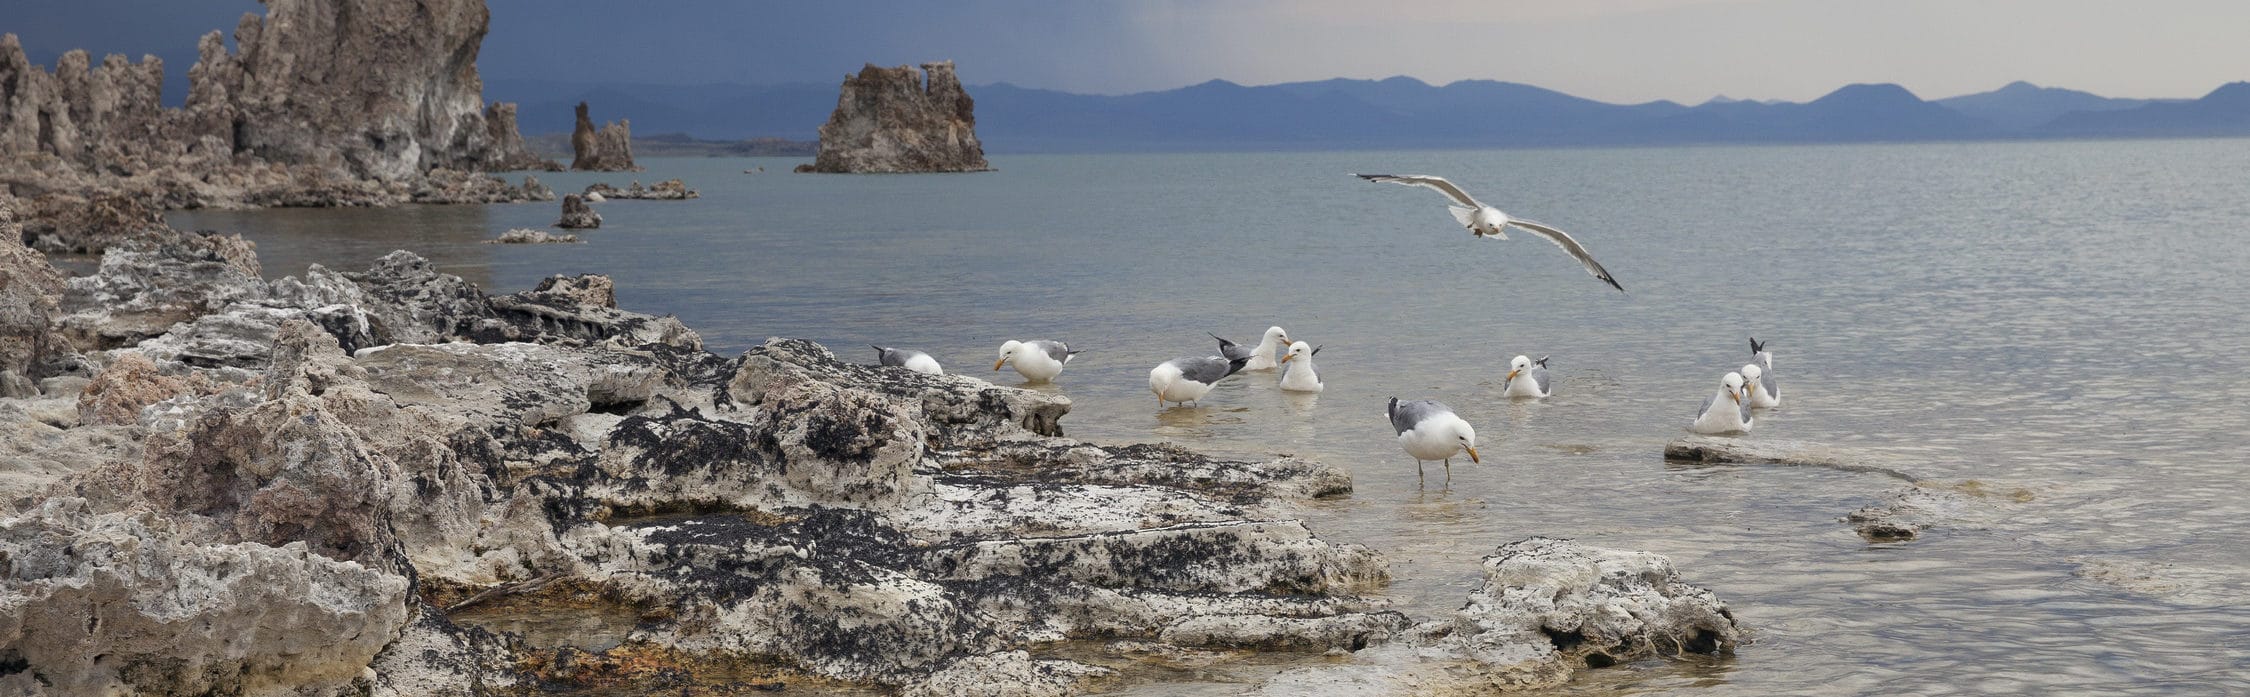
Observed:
{"x":1038,"y":360}
{"x":1724,"y":411}
{"x":1527,"y":378}
{"x":1486,"y":221}
{"x":1297,"y":371}
{"x":909,"y":359}
{"x":1185,"y":380}
{"x":1428,"y":430}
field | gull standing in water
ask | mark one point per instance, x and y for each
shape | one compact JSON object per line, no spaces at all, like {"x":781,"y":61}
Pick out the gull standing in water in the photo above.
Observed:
{"x":1724,"y":411}
{"x":1038,"y":360}
{"x":909,"y":359}
{"x":1764,"y":392}
{"x":1428,"y":430}
{"x":1185,"y":380}
{"x":1297,"y":371}
{"x":1487,"y":221}
{"x":1261,"y":358}
{"x":1527,"y":378}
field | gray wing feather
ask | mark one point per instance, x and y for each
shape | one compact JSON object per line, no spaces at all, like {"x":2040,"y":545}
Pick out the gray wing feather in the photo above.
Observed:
{"x":1744,"y":406}
{"x":1539,"y":375}
{"x":1206,"y":370}
{"x":1438,"y":184}
{"x":1054,"y":349}
{"x":1233,"y":350}
{"x":1765,"y":382}
{"x":1706,"y":408}
{"x":1576,"y":250}
{"x":1405,"y":415}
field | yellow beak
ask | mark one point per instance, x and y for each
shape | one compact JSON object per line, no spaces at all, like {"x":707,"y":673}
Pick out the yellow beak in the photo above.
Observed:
{"x":1473,"y":455}
{"x":1286,"y":356}
{"x":996,"y":364}
{"x":1511,"y":375}
{"x":1737,"y":397}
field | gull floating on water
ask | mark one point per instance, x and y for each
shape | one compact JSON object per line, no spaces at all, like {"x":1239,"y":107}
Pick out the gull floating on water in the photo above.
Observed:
{"x":1724,"y":411}
{"x":1185,"y":380}
{"x":909,"y":359}
{"x":1764,"y":392}
{"x":1486,"y":221}
{"x":1261,"y":358}
{"x":1428,"y":430}
{"x":1297,"y":371}
{"x":1527,"y":378}
{"x":1038,"y":360}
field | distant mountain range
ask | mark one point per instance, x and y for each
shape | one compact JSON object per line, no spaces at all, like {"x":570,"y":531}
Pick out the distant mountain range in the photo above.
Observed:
{"x":1400,"y":112}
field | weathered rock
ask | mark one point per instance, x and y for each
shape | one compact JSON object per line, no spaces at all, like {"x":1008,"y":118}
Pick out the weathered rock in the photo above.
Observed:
{"x":30,"y":290}
{"x":327,"y":103}
{"x":129,"y":384}
{"x":889,"y":120}
{"x":129,"y":603}
{"x":530,"y":236}
{"x":70,"y":224}
{"x":609,"y":149}
{"x":535,"y":191}
{"x":582,"y":289}
{"x":577,"y":214}
{"x":1547,"y":608}
{"x":667,"y":190}
{"x":509,"y":152}
{"x":140,"y":292}
{"x":42,"y":441}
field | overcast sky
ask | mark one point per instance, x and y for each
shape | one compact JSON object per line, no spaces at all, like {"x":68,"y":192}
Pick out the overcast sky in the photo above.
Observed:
{"x":1613,"y":50}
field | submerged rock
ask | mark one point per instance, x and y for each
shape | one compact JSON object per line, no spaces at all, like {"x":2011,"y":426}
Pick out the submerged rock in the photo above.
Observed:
{"x":1782,"y":452}
{"x":1547,"y":608}
{"x":609,"y":149}
{"x":577,"y":214}
{"x":889,"y":120}
{"x":667,"y":190}
{"x":530,"y":236}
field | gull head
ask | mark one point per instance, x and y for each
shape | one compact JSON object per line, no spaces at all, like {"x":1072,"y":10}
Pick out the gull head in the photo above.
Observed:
{"x":1750,"y":374}
{"x":1465,"y":435}
{"x":1007,"y":351}
{"x":1733,"y":384}
{"x":1277,"y":335}
{"x":1517,"y":365}
{"x":1297,"y":350}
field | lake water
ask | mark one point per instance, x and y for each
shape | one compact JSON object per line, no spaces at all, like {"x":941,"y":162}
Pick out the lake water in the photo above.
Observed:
{"x":2064,"y":324}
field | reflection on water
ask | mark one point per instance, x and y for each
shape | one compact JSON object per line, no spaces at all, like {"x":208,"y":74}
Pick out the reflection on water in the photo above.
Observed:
{"x":2061,"y":318}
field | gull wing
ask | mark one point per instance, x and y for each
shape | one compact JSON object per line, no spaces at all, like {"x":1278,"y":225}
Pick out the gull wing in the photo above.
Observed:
{"x":1576,"y":250}
{"x":1438,"y":184}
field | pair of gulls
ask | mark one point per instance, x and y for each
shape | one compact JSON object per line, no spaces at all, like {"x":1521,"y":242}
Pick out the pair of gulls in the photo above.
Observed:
{"x":1429,"y":430}
{"x":1751,"y":387}
{"x":1184,"y":380}
{"x":1038,"y":360}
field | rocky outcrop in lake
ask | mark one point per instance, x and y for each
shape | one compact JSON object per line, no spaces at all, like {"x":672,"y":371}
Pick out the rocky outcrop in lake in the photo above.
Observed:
{"x":577,"y":214}
{"x":667,"y":190}
{"x":892,"y":120}
{"x":607,"y":149}
{"x":324,"y":483}
{"x":354,"y":102}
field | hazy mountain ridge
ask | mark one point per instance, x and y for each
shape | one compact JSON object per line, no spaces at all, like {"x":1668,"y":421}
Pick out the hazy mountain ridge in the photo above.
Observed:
{"x":1404,"y":112}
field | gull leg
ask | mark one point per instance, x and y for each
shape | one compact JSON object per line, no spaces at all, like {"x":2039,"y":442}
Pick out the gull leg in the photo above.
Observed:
{"x":1418,"y":474}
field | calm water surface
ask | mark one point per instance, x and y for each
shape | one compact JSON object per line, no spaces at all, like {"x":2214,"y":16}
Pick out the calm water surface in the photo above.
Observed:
{"x":2067,"y":323}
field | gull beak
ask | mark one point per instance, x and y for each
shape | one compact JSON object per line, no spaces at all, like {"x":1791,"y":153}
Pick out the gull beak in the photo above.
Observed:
{"x":996,"y":364}
{"x":1511,"y":375}
{"x":1473,"y":455}
{"x":1736,"y":396}
{"x":1286,"y":356}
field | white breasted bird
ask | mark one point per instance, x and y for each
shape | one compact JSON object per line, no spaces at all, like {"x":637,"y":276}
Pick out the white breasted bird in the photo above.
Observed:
{"x":1724,"y":411}
{"x":1038,"y":360}
{"x":1527,"y":378}
{"x":1297,"y":371}
{"x":1185,"y":380}
{"x":1428,"y":430}
{"x":909,"y":359}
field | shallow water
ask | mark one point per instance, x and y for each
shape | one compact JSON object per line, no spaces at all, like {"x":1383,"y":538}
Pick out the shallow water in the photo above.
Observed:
{"x":2063,"y":318}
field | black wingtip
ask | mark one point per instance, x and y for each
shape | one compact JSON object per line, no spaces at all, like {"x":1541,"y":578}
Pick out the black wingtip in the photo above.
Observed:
{"x":1542,"y":361}
{"x":1370,"y":177}
{"x":1755,"y":347}
{"x":1613,"y":283}
{"x":878,"y":349}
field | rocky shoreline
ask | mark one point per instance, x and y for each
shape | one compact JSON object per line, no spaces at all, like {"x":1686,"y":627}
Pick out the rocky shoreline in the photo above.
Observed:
{"x":217,"y":483}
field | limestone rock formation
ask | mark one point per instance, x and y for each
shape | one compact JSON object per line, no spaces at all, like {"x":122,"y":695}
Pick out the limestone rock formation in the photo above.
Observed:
{"x":577,"y":214}
{"x":891,"y":120}
{"x":530,"y":236}
{"x":667,"y":190}
{"x":1547,"y":608}
{"x":327,"y":103}
{"x":29,"y":291}
{"x":609,"y":149}
{"x":509,"y":152}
